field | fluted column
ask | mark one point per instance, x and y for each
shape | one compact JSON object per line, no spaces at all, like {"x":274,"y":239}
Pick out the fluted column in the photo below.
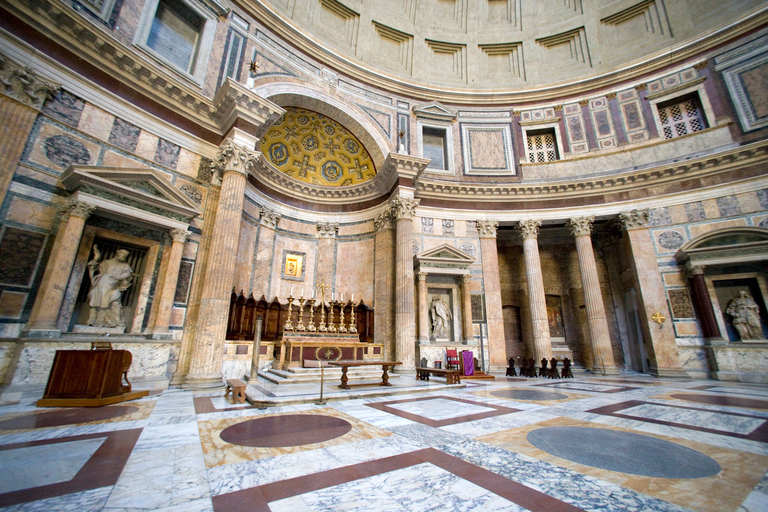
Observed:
{"x":384,"y":275}
{"x":45,"y":312}
{"x":421,"y":289}
{"x":537,"y":303}
{"x":205,"y":365}
{"x":168,"y":291}
{"x":660,"y":337}
{"x":405,"y":325}
{"x":702,"y":302}
{"x":489,"y":251}
{"x":265,"y":245}
{"x":600,"y":338}
{"x":466,"y":308}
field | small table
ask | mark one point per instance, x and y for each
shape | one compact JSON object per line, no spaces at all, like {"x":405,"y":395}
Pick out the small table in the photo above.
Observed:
{"x":344,"y":364}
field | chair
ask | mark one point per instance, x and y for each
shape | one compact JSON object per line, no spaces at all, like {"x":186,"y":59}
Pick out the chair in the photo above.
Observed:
{"x":451,"y":359}
{"x":543,"y":369}
{"x":511,"y":368}
{"x":567,"y":374}
{"x":553,"y":373}
{"x":531,"y":368}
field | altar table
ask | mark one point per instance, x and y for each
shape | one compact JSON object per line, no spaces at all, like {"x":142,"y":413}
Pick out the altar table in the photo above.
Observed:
{"x":385,"y":365}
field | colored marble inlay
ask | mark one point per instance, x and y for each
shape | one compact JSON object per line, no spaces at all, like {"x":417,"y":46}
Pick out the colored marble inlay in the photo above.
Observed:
{"x":19,"y":251}
{"x":286,"y":430}
{"x":313,"y":148}
{"x":439,"y":411}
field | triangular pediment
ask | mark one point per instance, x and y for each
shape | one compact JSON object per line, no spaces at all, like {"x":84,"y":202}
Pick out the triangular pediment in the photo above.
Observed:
{"x":444,"y":255}
{"x":142,"y":189}
{"x":434,"y":110}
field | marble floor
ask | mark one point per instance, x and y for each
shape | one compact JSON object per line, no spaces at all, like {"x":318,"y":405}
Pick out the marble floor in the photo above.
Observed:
{"x":630,"y":442}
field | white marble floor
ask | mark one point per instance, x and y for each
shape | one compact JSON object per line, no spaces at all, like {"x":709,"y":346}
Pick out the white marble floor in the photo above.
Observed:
{"x":446,"y":449}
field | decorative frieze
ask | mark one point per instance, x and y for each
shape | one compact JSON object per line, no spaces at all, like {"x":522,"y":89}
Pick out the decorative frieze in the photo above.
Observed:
{"x":487,"y":228}
{"x":269,"y":218}
{"x":327,"y":230}
{"x":529,"y":228}
{"x":23,"y":84}
{"x":404,"y":208}
{"x":634,"y":219}
{"x":580,"y":226}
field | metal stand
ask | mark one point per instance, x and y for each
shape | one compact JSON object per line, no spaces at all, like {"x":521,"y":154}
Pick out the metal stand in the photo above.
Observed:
{"x":322,"y":381}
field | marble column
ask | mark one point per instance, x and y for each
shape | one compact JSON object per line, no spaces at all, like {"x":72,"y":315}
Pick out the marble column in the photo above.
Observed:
{"x":466,"y":308}
{"x":45,"y":312}
{"x":384,"y":275}
{"x":702,"y":302}
{"x":205,"y":364}
{"x":660,"y":337}
{"x":581,"y":228}
{"x":421,"y":289}
{"x":497,"y":346}
{"x":405,"y":313}
{"x":168,"y":290}
{"x":537,"y":303}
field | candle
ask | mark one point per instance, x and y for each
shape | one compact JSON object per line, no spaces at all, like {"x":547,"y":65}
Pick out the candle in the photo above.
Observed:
{"x":353,"y":297}
{"x":333,"y":295}
{"x":291,"y":290}
{"x":313,"y":293}
{"x":302,"y":293}
{"x":342,"y":296}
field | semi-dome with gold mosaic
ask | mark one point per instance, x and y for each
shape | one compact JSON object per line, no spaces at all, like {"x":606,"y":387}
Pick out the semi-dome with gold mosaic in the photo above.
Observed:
{"x":313,"y":148}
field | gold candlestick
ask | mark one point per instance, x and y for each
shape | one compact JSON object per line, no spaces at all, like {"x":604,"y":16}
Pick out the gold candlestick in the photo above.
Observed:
{"x":331,"y":327}
{"x":352,"y":324}
{"x":311,"y":325}
{"x":288,"y":326}
{"x":342,"y":327}
{"x":300,"y":324}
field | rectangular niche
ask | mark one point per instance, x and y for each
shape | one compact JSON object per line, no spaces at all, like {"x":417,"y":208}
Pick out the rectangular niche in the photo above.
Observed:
{"x":293,"y":265}
{"x":487,"y":149}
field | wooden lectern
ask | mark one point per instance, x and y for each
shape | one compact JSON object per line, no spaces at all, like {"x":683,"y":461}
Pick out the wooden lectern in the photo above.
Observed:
{"x":89,"y":378}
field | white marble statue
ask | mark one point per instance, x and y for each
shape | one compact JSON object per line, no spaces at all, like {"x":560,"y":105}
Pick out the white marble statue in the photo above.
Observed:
{"x":109,"y":279}
{"x":746,"y":316}
{"x":441,"y":316}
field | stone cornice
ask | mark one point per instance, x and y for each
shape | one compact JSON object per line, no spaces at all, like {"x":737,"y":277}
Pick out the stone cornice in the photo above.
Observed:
{"x":344,"y":65}
{"x":632,"y":181}
{"x":405,"y":166}
{"x":95,"y":46}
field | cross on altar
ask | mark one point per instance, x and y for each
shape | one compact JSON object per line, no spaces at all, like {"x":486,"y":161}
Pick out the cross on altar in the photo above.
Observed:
{"x":323,"y":287}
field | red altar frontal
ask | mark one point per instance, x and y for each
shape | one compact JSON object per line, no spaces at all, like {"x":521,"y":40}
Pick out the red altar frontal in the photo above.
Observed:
{"x":296,"y":348}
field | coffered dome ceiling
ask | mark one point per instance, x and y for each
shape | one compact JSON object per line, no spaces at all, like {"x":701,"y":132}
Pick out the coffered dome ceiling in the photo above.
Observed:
{"x":313,"y":148}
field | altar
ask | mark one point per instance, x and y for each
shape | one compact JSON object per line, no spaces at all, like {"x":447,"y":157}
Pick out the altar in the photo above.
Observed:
{"x":298,"y":349}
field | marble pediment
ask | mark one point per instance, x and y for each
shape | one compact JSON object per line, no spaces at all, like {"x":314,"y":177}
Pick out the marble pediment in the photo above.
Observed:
{"x":141,"y":195}
{"x":443,"y":259}
{"x":435,"y":110}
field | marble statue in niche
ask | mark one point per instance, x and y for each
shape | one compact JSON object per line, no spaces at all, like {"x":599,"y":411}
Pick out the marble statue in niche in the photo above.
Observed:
{"x":109,"y":279}
{"x":746,"y":316}
{"x":441,"y":316}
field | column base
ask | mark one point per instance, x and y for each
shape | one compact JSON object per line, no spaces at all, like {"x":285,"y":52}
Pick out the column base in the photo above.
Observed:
{"x":202,"y":383}
{"x":608,"y":370}
{"x":162,"y":335}
{"x":669,"y":373}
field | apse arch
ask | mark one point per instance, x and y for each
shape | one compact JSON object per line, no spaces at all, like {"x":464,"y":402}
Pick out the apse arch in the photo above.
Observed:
{"x":350,"y":116}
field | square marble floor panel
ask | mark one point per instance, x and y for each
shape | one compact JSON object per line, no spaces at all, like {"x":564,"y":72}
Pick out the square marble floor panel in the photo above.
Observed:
{"x":439,"y":411}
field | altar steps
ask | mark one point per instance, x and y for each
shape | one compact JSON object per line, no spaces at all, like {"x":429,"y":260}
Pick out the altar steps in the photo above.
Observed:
{"x":300,"y":375}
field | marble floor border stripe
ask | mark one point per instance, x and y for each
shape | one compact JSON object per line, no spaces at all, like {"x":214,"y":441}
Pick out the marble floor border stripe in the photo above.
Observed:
{"x":102,"y":469}
{"x":558,"y":385}
{"x":759,"y":434}
{"x":499,"y":410}
{"x":257,"y":499}
{"x":204,"y":405}
{"x":725,"y":401}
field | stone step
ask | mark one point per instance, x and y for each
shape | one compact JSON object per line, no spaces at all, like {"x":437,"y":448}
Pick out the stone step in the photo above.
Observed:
{"x":305,"y":375}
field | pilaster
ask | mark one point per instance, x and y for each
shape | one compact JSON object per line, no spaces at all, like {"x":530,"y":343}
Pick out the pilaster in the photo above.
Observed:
{"x":168,"y":290}
{"x":466,"y":308}
{"x":384,"y":275}
{"x":421,"y":289}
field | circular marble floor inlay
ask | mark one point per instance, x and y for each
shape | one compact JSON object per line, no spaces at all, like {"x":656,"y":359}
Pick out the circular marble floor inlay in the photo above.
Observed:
{"x":287,"y":430}
{"x":528,"y":394}
{"x":624,"y":452}
{"x":61,"y":417}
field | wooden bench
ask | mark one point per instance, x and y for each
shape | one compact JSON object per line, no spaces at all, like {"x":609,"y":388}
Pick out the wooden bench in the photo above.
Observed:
{"x":451,"y":376}
{"x":237,"y":387}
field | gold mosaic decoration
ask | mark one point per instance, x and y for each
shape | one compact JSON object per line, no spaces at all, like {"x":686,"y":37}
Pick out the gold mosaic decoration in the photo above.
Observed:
{"x":313,"y":148}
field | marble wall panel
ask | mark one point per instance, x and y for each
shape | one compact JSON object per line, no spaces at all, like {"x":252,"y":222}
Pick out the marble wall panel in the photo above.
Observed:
{"x":749,"y":203}
{"x":12,"y":304}
{"x":356,"y":229}
{"x":687,"y":329}
{"x":177,"y":316}
{"x":167,"y":154}
{"x":36,"y":214}
{"x":124,"y":135}
{"x":680,"y":303}
{"x":19,"y":254}
{"x":65,"y":107}
{"x":185,"y":278}
{"x":728,"y":206}
{"x":115,"y":159}
{"x":188,"y":163}
{"x":700,"y":229}
{"x":295,"y":226}
{"x":57,"y":148}
{"x":96,"y":122}
{"x":353,"y":270}
{"x":146,"y":146}
{"x":695,"y":211}
{"x":670,"y":240}
{"x":674,"y":279}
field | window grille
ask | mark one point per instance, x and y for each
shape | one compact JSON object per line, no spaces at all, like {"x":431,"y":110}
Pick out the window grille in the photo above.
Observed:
{"x":542,"y":146}
{"x":681,"y":116}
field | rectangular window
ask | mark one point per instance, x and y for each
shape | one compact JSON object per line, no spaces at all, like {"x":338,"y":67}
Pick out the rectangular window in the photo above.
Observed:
{"x":681,"y":116}
{"x":434,"y":147}
{"x":541,"y":146}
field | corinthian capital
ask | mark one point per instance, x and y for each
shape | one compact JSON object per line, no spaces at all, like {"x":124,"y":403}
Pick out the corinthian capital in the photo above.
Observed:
{"x":529,"y":228}
{"x":269,"y":218}
{"x":634,"y":219}
{"x":232,"y":157}
{"x":24,"y":84}
{"x":487,"y":228}
{"x":78,"y":209}
{"x":581,"y":226}
{"x":179,"y":235}
{"x":384,"y":221}
{"x":404,"y":208}
{"x":327,"y":230}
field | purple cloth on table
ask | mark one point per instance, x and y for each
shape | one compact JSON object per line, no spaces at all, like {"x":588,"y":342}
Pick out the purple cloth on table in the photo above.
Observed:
{"x":469,"y":363}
